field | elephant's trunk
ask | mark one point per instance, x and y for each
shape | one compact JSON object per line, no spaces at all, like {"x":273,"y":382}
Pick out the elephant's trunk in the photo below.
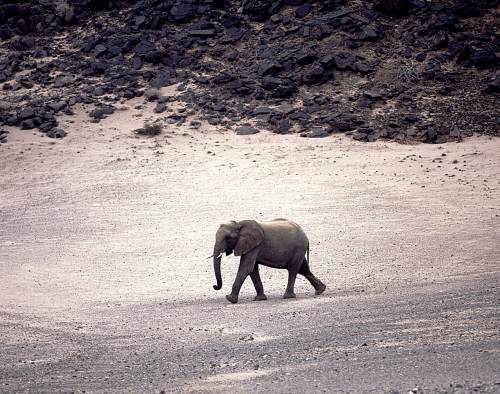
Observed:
{"x":217,"y":260}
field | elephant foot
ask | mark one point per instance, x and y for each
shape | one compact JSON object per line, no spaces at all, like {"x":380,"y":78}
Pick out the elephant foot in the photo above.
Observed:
{"x":320,"y":289}
{"x":232,"y":299}
{"x":260,"y":297}
{"x":289,"y":295}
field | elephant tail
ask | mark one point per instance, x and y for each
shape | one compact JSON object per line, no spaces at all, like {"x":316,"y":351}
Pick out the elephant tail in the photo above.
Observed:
{"x":308,"y":254}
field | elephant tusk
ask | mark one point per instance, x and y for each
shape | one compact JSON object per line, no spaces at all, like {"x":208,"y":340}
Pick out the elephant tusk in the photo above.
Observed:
{"x":209,"y":257}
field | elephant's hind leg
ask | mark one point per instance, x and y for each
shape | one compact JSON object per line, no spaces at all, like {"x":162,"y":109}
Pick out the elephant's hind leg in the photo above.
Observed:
{"x":289,"y":293}
{"x":293,"y":269}
{"x":315,"y":282}
{"x":255,"y":276}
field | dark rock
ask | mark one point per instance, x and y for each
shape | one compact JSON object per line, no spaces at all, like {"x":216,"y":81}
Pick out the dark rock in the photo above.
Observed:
{"x":369,"y":33}
{"x":345,"y":123}
{"x":223,"y":78}
{"x":283,"y":126}
{"x":343,"y":60}
{"x":26,"y":113}
{"x":26,"y":83}
{"x":303,"y":10}
{"x":294,"y":3}
{"x":161,"y":80}
{"x":363,"y":67}
{"x":3,"y":136}
{"x":398,"y":7}
{"x":314,"y":74}
{"x":56,"y":133}
{"x":494,"y":84}
{"x":430,"y":135}
{"x":484,"y":58}
{"x":57,"y":106}
{"x":420,"y":57}
{"x":102,"y":112}
{"x":160,"y":107}
{"x":441,"y":40}
{"x":99,"y":91}
{"x":246,"y":130}
{"x":269,"y":67}
{"x":280,"y":88}
{"x":366,"y":134}
{"x":63,"y":80}
{"x":194,"y":124}
{"x":231,"y":21}
{"x":182,"y":12}
{"x":100,"y":50}
{"x":144,"y":47}
{"x":261,"y":9}
{"x":262,"y":110}
{"x":300,"y":115}
{"x":372,"y":95}
{"x":317,"y":132}
{"x":202,"y":33}
{"x":219,"y":107}
{"x":29,"y":124}
{"x":307,"y":57}
{"x":136,"y":63}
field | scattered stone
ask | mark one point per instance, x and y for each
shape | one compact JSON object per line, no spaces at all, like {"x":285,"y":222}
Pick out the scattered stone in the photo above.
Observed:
{"x":160,"y":107}
{"x":269,"y":68}
{"x":246,"y":130}
{"x":56,"y":133}
{"x":372,"y":95}
{"x":317,"y":132}
{"x":26,"y":113}
{"x":303,"y":10}
{"x":149,"y":129}
{"x":314,"y":74}
{"x":63,"y":80}
{"x":57,"y":106}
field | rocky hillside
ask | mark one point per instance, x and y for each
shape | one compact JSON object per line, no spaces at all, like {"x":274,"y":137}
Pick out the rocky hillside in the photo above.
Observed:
{"x":409,"y":70}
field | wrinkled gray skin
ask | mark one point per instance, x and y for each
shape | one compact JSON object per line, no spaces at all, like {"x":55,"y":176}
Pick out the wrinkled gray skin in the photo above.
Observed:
{"x":279,"y":244}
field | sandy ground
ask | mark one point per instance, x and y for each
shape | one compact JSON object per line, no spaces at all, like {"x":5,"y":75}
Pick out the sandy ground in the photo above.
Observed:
{"x":105,"y":285}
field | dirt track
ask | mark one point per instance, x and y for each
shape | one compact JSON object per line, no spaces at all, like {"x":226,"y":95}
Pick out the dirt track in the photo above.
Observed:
{"x":106,"y":286}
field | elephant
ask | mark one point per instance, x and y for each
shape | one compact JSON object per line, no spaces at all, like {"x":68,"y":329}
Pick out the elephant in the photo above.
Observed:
{"x":279,"y":243}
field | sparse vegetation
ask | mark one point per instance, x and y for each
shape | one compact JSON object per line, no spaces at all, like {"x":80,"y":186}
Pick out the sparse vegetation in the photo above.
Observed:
{"x":149,"y":129}
{"x":408,"y":73}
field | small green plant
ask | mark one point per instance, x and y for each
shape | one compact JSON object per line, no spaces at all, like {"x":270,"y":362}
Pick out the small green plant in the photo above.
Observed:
{"x":149,"y":129}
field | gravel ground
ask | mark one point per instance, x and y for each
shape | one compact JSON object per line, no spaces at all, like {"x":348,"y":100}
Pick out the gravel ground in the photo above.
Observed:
{"x":106,"y":286}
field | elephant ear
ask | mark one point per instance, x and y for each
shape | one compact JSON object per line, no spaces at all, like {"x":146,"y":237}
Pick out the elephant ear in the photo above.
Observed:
{"x":251,"y":236}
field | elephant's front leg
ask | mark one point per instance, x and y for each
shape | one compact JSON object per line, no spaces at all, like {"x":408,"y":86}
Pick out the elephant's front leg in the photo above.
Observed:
{"x":247,"y":264}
